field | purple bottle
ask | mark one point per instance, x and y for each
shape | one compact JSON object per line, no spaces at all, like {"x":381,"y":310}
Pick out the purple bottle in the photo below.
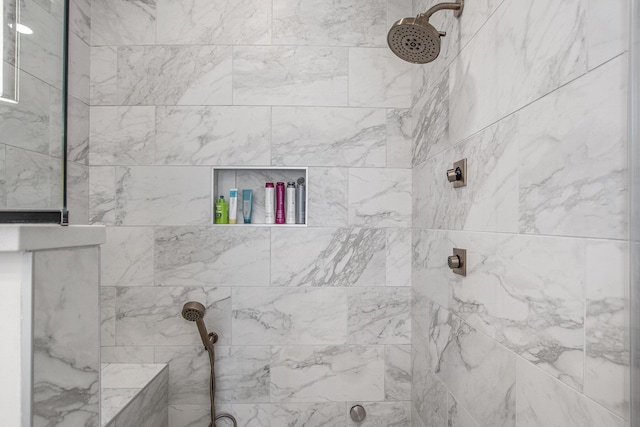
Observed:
{"x":280,"y":203}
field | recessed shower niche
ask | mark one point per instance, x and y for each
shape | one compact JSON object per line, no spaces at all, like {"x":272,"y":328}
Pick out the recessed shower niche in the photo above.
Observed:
{"x":224,"y":178}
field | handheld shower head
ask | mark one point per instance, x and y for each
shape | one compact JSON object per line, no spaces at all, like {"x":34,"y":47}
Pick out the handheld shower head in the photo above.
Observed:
{"x":193,"y":311}
{"x":415,"y":39}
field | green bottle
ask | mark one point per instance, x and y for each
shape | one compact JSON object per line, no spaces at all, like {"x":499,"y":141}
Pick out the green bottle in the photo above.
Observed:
{"x":222,"y":211}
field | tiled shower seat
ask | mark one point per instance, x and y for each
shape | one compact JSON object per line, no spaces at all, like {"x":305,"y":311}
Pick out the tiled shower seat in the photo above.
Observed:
{"x":134,"y":395}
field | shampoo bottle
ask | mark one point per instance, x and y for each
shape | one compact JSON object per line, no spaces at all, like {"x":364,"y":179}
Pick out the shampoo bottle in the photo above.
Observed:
{"x":269,"y":211}
{"x":222,"y":211}
{"x":291,"y":203}
{"x":280,"y":203}
{"x":301,"y":201}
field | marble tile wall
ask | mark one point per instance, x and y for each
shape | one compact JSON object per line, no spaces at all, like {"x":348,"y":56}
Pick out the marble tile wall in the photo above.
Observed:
{"x":534,"y":95}
{"x":311,"y":320}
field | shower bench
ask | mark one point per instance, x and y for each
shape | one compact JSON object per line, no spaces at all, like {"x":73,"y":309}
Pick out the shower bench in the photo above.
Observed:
{"x":134,"y":395}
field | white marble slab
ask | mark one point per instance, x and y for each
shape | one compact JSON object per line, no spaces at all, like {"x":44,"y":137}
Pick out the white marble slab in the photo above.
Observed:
{"x":607,"y":30}
{"x":128,"y":376}
{"x":328,"y":197}
{"x":127,"y":257}
{"x":399,"y":138}
{"x":379,"y":315}
{"x":123,"y":22}
{"x":104,"y":71}
{"x":397,"y":373}
{"x":274,"y":75}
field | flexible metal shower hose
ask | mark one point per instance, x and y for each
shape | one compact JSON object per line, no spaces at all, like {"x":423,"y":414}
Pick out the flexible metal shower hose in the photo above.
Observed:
{"x":212,"y":392}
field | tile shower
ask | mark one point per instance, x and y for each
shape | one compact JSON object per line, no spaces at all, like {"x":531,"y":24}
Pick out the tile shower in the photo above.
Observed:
{"x":359,"y":306}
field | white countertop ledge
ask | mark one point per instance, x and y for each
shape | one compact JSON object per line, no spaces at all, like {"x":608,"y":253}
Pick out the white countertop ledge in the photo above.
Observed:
{"x":33,"y":237}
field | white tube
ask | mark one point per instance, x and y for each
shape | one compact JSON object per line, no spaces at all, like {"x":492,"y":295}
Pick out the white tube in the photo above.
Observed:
{"x":269,"y":209}
{"x":233,"y":206}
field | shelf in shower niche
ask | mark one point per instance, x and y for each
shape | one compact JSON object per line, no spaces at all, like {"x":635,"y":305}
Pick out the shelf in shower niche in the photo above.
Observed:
{"x":224,"y":178}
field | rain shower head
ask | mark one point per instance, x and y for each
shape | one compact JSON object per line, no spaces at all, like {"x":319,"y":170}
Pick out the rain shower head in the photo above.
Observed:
{"x":415,"y":39}
{"x":193,"y":311}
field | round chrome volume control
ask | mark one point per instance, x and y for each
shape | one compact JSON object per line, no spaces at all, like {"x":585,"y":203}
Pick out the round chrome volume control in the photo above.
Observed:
{"x":454,"y":262}
{"x":358,"y":414}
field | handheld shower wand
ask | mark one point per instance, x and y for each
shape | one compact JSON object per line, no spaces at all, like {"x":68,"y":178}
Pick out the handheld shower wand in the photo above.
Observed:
{"x":194,"y":312}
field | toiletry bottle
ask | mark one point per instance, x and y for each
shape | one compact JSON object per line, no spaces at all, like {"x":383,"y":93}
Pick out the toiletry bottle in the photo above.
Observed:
{"x":290,"y":215}
{"x":233,"y":206}
{"x":222,"y":211}
{"x":247,"y":205}
{"x":269,"y":211}
{"x":280,"y":203}
{"x":301,"y":201}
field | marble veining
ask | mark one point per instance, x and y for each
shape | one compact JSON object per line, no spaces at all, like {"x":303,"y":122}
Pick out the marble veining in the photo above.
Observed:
{"x":289,"y":316}
{"x":104,"y":72}
{"x":328,"y":257}
{"x":102,"y":195}
{"x":127,"y":257}
{"x":428,"y":394}
{"x":379,"y":315}
{"x":329,"y":136}
{"x":276,"y":75}
{"x":399,"y":138}
{"x":123,"y":22}
{"x":397,"y":373}
{"x":205,"y":256}
{"x":398,"y":257}
{"x":174,"y":75}
{"x":335,"y":373}
{"x":213,"y":135}
{"x":245,"y":22}
{"x":321,"y":23}
{"x":77,"y":130}
{"x":328,"y":184}
{"x":431,"y":121}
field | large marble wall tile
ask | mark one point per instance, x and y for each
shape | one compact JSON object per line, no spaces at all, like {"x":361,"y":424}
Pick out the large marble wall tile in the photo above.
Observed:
{"x":490,"y":200}
{"x":607,"y":30}
{"x":398,"y":257}
{"x":431,"y":275}
{"x":397,"y":9}
{"x":104,"y":71}
{"x":242,"y":374}
{"x":79,"y":68}
{"x":308,"y":374}
{"x":328,"y":197}
{"x":189,"y":415}
{"x":27,"y":124}
{"x":458,"y":416}
{"x":123,"y":22}
{"x":29,"y":180}
{"x":149,"y":408}
{"x":107,"y":317}
{"x":174,"y":75}
{"x":528,"y":293}
{"x":153,"y":315}
{"x":274,"y":75}
{"x":77,"y":193}
{"x":286,"y":316}
{"x":102,"y":195}
{"x":291,"y":414}
{"x":66,"y":325}
{"x":122,"y":135}
{"x":428,"y":394}
{"x":430,"y":114}
{"x":329,"y":136}
{"x":478,"y":371}
{"x":213,"y":135}
{"x":383,"y":414}
{"x":246,"y":22}
{"x":194,"y":256}
{"x":377,"y":78}
{"x":542,"y":401}
{"x":77,"y":131}
{"x":328,"y":257}
{"x":127,"y":257}
{"x":379,"y":315}
{"x":80,"y":19}
{"x":397,"y":372}
{"x":573,"y":169}
{"x":45,"y":45}
{"x":134,"y":354}
{"x":504,"y":68}
{"x":606,"y":325}
{"x":155,"y":195}
{"x":380,"y":197}
{"x":322,"y":23}
{"x":399,"y":138}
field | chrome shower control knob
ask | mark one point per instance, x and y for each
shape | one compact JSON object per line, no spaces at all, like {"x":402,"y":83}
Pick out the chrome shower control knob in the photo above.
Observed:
{"x":454,"y":262}
{"x":358,"y":414}
{"x":454,"y":175}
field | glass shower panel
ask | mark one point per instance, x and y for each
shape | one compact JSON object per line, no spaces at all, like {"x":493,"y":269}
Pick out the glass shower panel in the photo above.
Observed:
{"x":31,"y":105}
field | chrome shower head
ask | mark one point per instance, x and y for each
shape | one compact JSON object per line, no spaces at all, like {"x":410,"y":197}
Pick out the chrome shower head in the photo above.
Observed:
{"x":193,"y":311}
{"x":415,"y":39}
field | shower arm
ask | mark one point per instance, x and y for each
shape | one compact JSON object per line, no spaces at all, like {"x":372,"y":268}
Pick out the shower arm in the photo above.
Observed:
{"x":457,"y":7}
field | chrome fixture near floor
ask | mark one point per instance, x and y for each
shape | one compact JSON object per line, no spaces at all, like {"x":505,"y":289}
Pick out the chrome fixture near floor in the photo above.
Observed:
{"x":458,"y":261}
{"x":194,"y":312}
{"x":415,"y":39}
{"x":357,"y":413}
{"x":458,"y":175}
